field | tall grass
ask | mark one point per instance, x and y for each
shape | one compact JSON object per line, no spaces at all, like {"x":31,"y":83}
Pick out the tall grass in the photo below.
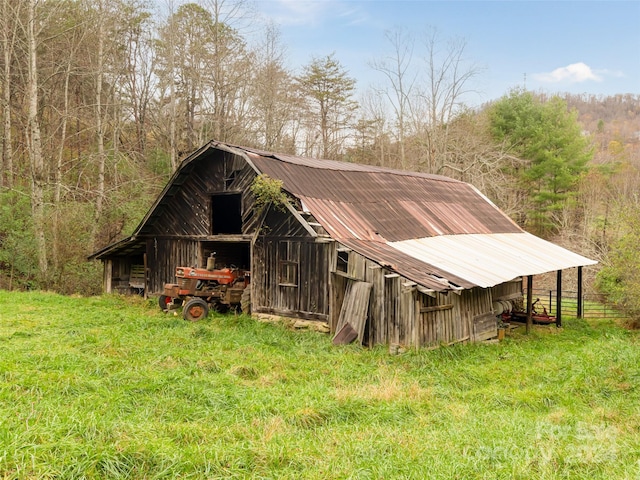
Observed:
{"x":110,"y":387}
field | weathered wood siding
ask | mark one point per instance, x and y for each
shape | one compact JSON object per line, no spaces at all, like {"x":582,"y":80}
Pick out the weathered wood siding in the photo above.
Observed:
{"x":187,"y":208}
{"x":400,"y":314}
{"x":117,"y":273}
{"x":507,"y":290}
{"x":164,"y":255}
{"x":285,"y":241}
{"x":182,"y":235}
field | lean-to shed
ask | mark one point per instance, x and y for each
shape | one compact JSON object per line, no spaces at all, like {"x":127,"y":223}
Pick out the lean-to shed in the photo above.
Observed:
{"x":383,"y":255}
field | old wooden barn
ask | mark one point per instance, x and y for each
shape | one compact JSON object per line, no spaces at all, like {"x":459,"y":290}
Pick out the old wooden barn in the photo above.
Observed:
{"x":383,"y":255}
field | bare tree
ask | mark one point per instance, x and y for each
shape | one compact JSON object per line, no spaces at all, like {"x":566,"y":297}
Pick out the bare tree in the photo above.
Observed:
{"x":448,"y":76}
{"x":137,"y":76}
{"x":34,"y":143}
{"x":374,"y":144}
{"x":424,"y":95}
{"x":9,"y":15}
{"x":273,"y":96}
{"x":231,"y":67}
{"x":397,"y":69}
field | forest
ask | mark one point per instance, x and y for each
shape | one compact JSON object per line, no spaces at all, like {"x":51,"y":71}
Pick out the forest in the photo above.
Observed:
{"x":102,"y":98}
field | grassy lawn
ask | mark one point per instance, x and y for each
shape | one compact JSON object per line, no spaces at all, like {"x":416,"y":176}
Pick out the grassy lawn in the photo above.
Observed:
{"x":109,"y":387}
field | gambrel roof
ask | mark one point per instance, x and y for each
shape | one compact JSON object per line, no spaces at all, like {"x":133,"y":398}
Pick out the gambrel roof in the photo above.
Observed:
{"x":436,"y":231}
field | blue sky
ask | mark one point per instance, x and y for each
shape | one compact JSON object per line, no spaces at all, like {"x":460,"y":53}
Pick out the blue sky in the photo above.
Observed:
{"x":562,"y":46}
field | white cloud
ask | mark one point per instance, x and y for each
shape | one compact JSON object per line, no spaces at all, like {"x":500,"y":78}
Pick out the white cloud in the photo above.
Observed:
{"x":574,"y":73}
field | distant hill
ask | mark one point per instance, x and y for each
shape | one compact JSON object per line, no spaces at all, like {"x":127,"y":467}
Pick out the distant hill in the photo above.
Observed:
{"x":610,"y":119}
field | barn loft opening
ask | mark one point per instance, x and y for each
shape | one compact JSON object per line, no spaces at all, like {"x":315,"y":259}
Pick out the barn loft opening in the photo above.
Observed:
{"x":226,"y":213}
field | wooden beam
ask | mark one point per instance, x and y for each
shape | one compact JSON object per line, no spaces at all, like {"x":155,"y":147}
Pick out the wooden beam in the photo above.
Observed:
{"x":108,"y":275}
{"x":559,"y":299}
{"x":427,"y":291}
{"x":437,"y":308}
{"x":529,"y":303}
{"x":346,"y":275}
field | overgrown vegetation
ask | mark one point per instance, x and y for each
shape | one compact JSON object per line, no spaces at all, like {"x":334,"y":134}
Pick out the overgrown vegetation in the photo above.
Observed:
{"x":620,"y":276}
{"x":268,"y":191}
{"x":109,"y":387}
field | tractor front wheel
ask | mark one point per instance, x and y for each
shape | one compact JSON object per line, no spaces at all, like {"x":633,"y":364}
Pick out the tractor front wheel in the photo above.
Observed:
{"x":195,"y":309}
{"x":164,"y":301}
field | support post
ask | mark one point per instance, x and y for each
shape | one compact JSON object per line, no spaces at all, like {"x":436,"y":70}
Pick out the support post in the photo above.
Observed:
{"x":559,"y":300}
{"x":108,"y":276}
{"x":529,"y":303}
{"x":146,"y":277}
{"x":580,"y":300}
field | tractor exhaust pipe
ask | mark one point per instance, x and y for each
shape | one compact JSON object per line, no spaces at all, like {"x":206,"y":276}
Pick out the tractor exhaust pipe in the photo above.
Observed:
{"x":211,"y":262}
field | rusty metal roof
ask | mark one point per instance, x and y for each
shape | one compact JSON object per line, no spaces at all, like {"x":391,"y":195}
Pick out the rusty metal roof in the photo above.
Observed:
{"x":436,"y":231}
{"x":373,"y":203}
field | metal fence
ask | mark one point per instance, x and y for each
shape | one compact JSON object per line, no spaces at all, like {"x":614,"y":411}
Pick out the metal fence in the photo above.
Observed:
{"x":593,"y":305}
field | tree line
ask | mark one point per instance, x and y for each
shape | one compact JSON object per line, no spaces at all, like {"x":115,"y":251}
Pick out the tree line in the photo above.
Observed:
{"x":102,"y":98}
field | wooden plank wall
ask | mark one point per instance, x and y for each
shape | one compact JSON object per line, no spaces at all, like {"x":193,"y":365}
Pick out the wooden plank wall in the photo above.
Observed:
{"x":377,"y":331}
{"x":507,"y":289}
{"x":119,"y":272}
{"x":188,"y":211}
{"x":336,"y":299}
{"x":354,"y":311}
{"x":448,"y":317}
{"x":400,"y":314}
{"x":164,"y":255}
{"x":310,"y":298}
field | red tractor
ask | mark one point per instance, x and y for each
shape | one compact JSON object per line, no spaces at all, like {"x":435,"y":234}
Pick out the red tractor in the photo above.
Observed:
{"x":200,"y":289}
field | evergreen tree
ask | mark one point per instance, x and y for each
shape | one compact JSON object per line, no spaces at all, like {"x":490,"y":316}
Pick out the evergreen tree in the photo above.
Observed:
{"x":330,"y":89}
{"x":553,"y":152}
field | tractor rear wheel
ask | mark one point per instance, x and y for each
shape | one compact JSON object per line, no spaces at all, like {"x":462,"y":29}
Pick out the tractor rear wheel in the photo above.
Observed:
{"x":195,"y":309}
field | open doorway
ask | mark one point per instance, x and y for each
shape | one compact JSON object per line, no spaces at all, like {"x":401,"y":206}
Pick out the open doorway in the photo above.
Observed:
{"x":226,"y":214}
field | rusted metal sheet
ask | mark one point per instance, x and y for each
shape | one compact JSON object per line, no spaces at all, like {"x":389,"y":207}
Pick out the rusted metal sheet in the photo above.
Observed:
{"x":441,"y":233}
{"x":364,"y":203}
{"x":408,"y":266}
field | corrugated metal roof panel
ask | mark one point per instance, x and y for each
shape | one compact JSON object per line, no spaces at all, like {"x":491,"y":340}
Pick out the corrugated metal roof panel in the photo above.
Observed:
{"x":491,"y":259}
{"x":426,"y":275}
{"x":323,"y":164}
{"x":361,"y":201}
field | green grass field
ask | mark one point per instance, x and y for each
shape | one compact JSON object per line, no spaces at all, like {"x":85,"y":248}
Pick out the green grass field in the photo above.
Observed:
{"x":109,"y":387}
